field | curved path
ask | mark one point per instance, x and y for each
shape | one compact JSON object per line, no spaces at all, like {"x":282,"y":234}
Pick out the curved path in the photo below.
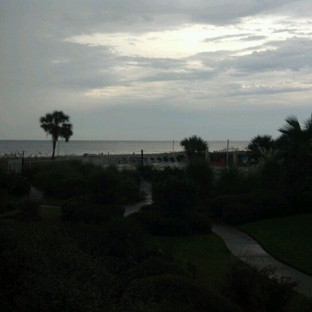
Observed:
{"x":145,"y":187}
{"x":248,"y":250}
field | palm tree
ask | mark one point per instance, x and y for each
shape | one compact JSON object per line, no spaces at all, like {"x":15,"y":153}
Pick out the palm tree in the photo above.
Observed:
{"x":195,"y":147}
{"x":295,"y":144}
{"x":260,"y":142}
{"x":295,"y":139}
{"x":57,"y":125}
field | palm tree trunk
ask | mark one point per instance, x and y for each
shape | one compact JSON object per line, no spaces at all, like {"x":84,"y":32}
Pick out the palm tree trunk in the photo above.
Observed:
{"x":54,"y":145}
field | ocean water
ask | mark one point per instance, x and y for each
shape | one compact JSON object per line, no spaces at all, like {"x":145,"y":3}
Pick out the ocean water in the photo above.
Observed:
{"x":44,"y":147}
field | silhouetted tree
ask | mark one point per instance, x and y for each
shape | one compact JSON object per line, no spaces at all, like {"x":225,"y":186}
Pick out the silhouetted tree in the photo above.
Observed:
{"x":195,"y":148}
{"x":57,"y":125}
{"x":295,"y":144}
{"x":296,"y":139}
{"x":260,"y":143}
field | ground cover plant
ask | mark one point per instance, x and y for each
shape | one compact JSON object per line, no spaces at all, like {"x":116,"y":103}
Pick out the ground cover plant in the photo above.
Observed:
{"x":287,"y":239}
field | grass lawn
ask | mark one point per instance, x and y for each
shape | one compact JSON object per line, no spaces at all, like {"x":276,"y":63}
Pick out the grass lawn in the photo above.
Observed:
{"x":51,"y":213}
{"x":207,"y":254}
{"x":288,"y":239}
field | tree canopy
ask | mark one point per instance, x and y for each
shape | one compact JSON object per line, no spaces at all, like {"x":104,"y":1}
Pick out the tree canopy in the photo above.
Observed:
{"x":194,"y":145}
{"x":58,"y":126}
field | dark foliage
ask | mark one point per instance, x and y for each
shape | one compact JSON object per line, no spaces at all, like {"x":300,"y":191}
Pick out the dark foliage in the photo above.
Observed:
{"x":203,"y":177}
{"x":42,"y":270}
{"x":81,"y":209}
{"x":175,"y":195}
{"x":172,"y":293}
{"x":158,"y":224}
{"x":70,"y":187}
{"x":14,"y":184}
{"x":254,"y":291}
{"x":256,"y":205}
{"x":29,"y":210}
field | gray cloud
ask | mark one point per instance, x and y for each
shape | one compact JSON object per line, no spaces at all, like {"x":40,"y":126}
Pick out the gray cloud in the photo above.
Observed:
{"x":149,"y":97}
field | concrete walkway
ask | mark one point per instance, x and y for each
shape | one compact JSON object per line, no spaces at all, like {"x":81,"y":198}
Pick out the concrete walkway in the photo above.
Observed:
{"x":145,"y":187}
{"x":248,"y":250}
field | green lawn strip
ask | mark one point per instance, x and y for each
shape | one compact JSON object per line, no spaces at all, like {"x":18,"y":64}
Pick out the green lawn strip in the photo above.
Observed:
{"x":287,"y":239}
{"x":9,"y":214}
{"x":51,"y":213}
{"x":52,"y":201}
{"x":207,"y":254}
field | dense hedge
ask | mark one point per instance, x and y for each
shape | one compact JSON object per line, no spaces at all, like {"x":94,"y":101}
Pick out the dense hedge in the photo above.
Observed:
{"x":106,"y":185}
{"x":172,"y":293}
{"x":82,"y":209}
{"x":43,"y":270}
{"x":29,"y":210}
{"x":256,"y":205}
{"x":70,"y":187}
{"x":14,"y":184}
{"x":158,"y":224}
{"x":175,"y":195}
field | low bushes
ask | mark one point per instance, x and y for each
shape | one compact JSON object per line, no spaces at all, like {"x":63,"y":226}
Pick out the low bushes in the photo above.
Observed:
{"x":43,"y":270}
{"x":256,"y":205}
{"x":199,"y":223}
{"x":125,"y":238}
{"x":157,"y":224}
{"x":254,"y":291}
{"x":175,"y":195}
{"x":70,"y":187}
{"x":82,"y":209}
{"x":29,"y":210}
{"x":160,"y":223}
{"x":172,"y":293}
{"x":14,"y":184}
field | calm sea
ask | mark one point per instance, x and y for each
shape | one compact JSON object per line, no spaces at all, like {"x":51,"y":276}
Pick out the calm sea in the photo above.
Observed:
{"x":44,"y":148}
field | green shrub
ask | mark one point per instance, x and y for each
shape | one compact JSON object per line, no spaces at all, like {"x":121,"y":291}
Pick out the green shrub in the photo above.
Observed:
{"x":254,"y":291}
{"x":14,"y":184}
{"x":150,"y":208}
{"x":303,"y":202}
{"x":173,"y":293}
{"x":175,"y":195}
{"x":104,"y":187}
{"x":19,"y":186}
{"x":153,"y":266}
{"x":157,"y":224}
{"x":199,"y":223}
{"x":252,"y":206}
{"x":45,"y":180}
{"x":82,"y":209}
{"x":70,"y":187}
{"x":275,"y":206}
{"x":240,"y":212}
{"x":128,"y":191}
{"x":203,"y":176}
{"x":231,"y":181}
{"x":217,"y":204}
{"x":43,"y":270}
{"x":29,"y":210}
{"x":125,"y":237}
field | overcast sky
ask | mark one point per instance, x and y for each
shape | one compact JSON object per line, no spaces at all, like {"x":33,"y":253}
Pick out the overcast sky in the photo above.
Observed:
{"x":155,"y":69}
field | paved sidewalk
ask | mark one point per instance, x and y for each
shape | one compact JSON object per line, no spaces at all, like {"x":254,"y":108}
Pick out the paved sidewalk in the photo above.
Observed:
{"x":145,"y":187}
{"x":248,"y":250}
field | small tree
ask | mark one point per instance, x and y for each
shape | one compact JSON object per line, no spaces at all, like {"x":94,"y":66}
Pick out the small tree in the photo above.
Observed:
{"x":195,"y":148}
{"x":57,"y":125}
{"x":260,"y":143}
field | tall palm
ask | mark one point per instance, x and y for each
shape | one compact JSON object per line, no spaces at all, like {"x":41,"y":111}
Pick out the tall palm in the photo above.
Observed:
{"x":294,"y":138}
{"x":195,"y":148}
{"x":194,"y":145}
{"x":259,"y":143}
{"x":57,"y":125}
{"x":295,"y":143}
